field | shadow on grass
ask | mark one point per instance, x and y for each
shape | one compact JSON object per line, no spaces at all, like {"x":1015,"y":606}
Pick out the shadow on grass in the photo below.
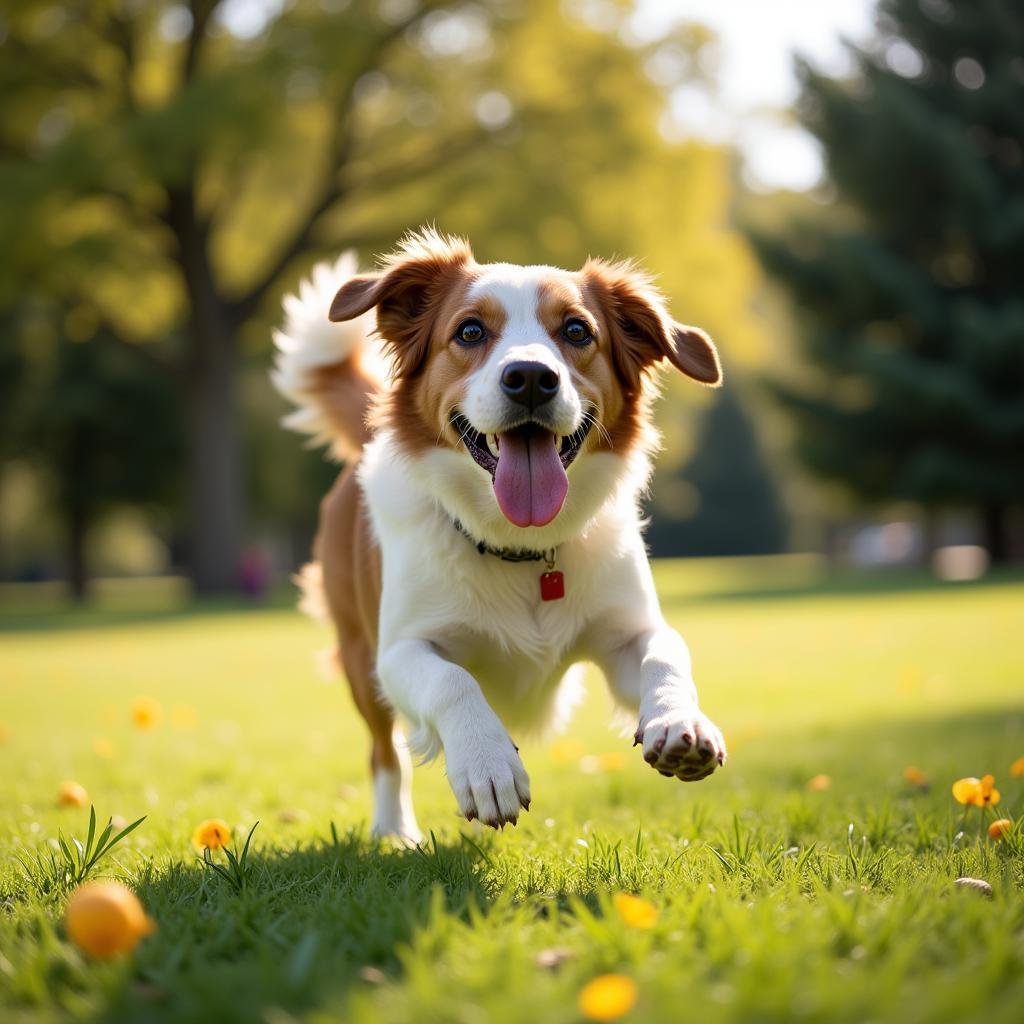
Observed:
{"x":309,"y":924}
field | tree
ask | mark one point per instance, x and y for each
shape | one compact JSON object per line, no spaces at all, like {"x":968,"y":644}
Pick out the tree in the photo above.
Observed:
{"x":167,"y":170}
{"x":910,"y":286}
{"x":724,"y":500}
{"x":102,"y":423}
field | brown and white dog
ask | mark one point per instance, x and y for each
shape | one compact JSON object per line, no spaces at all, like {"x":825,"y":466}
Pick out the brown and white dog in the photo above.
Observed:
{"x":485,"y":536}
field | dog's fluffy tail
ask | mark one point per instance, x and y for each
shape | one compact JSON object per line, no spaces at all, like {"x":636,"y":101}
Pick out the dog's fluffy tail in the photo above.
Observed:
{"x":329,"y":371}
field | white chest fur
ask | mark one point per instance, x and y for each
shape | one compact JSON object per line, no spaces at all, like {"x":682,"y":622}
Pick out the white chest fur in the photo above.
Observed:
{"x":486,"y":614}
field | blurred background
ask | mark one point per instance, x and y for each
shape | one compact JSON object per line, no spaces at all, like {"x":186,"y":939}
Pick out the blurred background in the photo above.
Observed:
{"x":834,"y":190}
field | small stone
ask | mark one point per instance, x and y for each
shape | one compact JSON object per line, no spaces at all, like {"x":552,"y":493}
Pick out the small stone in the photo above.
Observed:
{"x":552,"y":959}
{"x":977,"y":884}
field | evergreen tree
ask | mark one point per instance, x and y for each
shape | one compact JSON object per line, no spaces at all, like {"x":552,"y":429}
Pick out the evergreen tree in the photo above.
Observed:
{"x":735,"y":507}
{"x":911,"y":286}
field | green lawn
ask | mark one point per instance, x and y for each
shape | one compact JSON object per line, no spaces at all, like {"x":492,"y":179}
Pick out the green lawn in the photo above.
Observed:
{"x":775,"y":902}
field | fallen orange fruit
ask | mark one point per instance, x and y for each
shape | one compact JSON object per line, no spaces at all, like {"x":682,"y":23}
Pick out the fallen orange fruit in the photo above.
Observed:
{"x":1000,"y":828}
{"x":105,"y":919}
{"x":72,"y":794}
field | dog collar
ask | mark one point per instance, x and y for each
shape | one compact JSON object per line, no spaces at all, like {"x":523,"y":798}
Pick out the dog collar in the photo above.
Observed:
{"x":508,"y":554}
{"x":552,"y":582}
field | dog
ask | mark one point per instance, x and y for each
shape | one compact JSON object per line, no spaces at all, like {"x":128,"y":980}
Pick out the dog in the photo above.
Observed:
{"x":485,"y":536}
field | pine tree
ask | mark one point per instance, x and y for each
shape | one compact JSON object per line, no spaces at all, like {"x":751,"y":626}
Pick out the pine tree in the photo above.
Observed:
{"x":910,"y":286}
{"x":737,"y":509}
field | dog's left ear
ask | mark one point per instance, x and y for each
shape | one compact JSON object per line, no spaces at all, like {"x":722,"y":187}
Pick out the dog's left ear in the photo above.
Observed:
{"x":643,"y":333}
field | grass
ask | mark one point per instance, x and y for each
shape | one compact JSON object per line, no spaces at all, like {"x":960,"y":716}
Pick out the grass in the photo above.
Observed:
{"x":775,"y":902}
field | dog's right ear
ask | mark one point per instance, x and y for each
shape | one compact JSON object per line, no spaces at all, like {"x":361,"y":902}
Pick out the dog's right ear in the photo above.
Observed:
{"x":414,"y":278}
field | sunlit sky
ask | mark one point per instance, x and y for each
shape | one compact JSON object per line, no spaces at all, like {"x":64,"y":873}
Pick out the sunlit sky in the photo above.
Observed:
{"x":756,"y":85}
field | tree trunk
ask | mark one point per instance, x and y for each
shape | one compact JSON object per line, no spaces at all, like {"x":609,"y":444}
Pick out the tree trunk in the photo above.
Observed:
{"x":996,"y":539}
{"x":214,"y":479}
{"x":214,"y":473}
{"x":78,"y":574}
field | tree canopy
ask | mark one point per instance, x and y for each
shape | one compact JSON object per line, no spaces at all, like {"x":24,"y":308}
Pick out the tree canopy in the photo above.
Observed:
{"x":167,"y":170}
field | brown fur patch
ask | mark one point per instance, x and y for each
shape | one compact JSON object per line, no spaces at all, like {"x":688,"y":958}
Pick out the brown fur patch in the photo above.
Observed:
{"x":419,"y":403}
{"x":350,"y":565}
{"x":343,"y":391}
{"x":644,"y":333}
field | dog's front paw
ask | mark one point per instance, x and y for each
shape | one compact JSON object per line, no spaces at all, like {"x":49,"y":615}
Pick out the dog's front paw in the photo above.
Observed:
{"x":487,"y":777}
{"x":683,"y":743}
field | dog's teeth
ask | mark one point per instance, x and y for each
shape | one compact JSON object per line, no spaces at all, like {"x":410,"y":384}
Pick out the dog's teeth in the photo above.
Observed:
{"x":492,"y":443}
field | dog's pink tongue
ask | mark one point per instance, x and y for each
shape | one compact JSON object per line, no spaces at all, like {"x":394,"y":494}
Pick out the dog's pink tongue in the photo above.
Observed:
{"x":530,"y":482}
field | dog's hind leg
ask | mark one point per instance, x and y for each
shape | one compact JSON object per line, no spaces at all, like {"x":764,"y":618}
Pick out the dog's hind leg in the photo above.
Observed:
{"x":350,"y":584}
{"x":390,"y":764}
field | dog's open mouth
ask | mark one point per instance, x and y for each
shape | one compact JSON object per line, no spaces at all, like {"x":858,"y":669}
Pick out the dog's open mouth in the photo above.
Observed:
{"x":527,"y":465}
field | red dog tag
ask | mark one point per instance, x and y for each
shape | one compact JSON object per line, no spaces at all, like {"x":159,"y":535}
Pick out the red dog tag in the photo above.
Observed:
{"x":552,"y":586}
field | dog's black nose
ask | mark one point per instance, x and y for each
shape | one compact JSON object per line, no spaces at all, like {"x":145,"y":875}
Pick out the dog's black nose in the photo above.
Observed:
{"x":529,"y":384}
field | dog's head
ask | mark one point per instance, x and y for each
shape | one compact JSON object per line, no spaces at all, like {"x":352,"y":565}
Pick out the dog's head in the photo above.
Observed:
{"x":524,"y":373}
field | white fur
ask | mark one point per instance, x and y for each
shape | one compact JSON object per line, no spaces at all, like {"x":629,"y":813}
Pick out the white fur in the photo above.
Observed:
{"x":525,"y":338}
{"x":393,"y":813}
{"x":309,"y":340}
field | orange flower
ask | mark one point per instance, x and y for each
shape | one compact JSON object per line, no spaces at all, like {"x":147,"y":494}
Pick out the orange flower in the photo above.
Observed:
{"x":103,"y":747}
{"x":819,"y":782}
{"x":72,"y":794}
{"x":634,"y":911}
{"x":105,"y":918}
{"x":1017,"y":768}
{"x":979,"y":792}
{"x":607,"y":997}
{"x":915,"y":776}
{"x":1000,"y":828}
{"x":146,"y":713}
{"x":211,"y":834}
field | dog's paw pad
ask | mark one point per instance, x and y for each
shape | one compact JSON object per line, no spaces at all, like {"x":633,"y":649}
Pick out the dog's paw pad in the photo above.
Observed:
{"x":685,"y":744}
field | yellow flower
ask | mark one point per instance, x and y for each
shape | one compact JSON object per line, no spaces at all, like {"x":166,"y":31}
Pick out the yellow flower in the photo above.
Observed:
{"x":819,"y":782}
{"x":1000,"y":828}
{"x":105,"y":918}
{"x":915,"y":776}
{"x":184,"y":717}
{"x":103,"y":747}
{"x":72,"y":794}
{"x":566,"y":751}
{"x":614,"y":761}
{"x":634,"y":911}
{"x":607,"y":997}
{"x":1017,"y":768}
{"x":979,"y":792}
{"x":211,"y":834}
{"x":146,"y":713}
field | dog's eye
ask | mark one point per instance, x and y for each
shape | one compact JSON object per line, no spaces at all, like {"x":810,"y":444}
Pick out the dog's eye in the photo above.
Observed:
{"x":576,"y":331}
{"x":470,"y":332}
